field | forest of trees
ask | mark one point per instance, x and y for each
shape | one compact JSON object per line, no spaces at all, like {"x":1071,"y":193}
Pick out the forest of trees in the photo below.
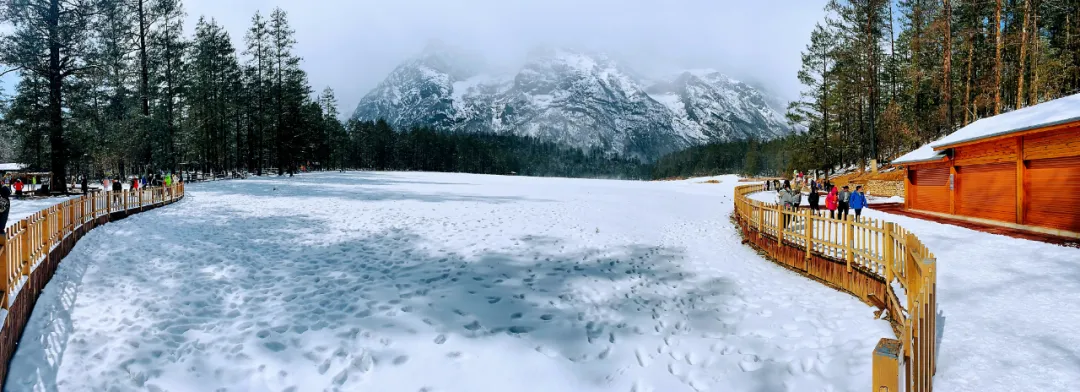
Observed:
{"x":377,"y":146}
{"x":749,"y":157}
{"x":115,"y":87}
{"x":883,"y":77}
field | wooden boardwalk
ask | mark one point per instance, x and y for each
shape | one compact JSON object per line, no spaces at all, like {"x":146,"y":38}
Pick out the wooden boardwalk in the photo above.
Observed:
{"x":898,"y":209}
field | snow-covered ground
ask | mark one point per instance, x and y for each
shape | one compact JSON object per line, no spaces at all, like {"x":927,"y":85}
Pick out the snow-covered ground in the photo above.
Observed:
{"x":1009,"y":306}
{"x":441,"y":282}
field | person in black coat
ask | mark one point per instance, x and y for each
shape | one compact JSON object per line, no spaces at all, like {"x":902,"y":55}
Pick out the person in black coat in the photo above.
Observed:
{"x":118,"y":189}
{"x":5,"y":209}
{"x":814,"y":198}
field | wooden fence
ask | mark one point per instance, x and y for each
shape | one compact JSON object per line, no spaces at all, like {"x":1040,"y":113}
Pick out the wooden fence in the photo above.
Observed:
{"x":36,"y":244}
{"x":879,"y":262}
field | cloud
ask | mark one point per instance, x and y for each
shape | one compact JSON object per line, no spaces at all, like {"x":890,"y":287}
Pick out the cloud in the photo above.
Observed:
{"x":351,"y":45}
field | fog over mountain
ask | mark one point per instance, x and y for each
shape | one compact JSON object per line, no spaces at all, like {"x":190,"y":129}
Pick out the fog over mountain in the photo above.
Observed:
{"x":352,"y":45}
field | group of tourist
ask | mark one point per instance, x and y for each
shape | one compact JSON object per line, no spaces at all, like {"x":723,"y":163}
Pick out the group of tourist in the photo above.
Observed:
{"x":838,"y":200}
{"x":18,"y":184}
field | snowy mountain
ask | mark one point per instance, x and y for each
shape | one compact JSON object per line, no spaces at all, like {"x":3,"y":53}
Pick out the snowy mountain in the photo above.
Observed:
{"x":712,"y":106}
{"x":584,"y":100}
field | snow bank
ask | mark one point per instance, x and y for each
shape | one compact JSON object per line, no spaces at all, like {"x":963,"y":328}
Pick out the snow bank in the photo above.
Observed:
{"x":1007,"y":319}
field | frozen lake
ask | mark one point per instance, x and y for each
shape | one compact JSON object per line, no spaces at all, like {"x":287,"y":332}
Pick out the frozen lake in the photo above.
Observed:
{"x":439,"y":282}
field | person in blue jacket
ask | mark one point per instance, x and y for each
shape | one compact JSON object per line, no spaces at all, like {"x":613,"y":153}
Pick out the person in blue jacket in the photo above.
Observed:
{"x":858,"y":201}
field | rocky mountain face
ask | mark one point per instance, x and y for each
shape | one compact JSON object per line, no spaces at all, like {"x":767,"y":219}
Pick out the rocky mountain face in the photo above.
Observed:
{"x":573,"y":98}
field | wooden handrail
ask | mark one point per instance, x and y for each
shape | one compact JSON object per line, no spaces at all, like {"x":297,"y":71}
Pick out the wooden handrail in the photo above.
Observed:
{"x":864,"y":257}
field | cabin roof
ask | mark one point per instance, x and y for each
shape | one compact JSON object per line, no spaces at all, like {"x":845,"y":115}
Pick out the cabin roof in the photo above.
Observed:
{"x":925,"y":153}
{"x":1047,"y":114}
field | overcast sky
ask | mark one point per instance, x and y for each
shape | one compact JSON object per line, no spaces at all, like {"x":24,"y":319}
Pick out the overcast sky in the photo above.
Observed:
{"x":351,"y":45}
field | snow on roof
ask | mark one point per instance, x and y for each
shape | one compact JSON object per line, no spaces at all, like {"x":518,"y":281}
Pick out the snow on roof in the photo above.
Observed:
{"x":11,"y":166}
{"x":922,"y":154}
{"x":1059,"y":111}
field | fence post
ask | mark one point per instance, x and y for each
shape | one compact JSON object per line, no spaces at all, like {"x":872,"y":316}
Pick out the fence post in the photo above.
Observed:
{"x":849,"y":240}
{"x":889,"y":256}
{"x":27,"y":246}
{"x":780,"y":226}
{"x":46,"y":234}
{"x":809,"y":229}
{"x":5,"y":266}
{"x":760,"y":219}
{"x":886,"y":366}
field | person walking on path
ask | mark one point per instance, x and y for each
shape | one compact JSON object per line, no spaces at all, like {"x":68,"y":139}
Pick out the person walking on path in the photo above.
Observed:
{"x":831,"y":202}
{"x":785,"y":202}
{"x":83,"y":185}
{"x":858,"y":201}
{"x":843,"y":203}
{"x":814,"y":198}
{"x":18,"y":185}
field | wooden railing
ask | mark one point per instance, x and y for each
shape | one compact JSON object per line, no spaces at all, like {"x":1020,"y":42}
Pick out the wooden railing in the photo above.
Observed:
{"x":879,"y":262}
{"x":36,"y":244}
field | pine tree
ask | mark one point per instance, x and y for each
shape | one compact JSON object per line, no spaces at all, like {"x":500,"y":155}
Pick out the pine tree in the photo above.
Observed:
{"x":258,"y":71}
{"x":49,"y":41}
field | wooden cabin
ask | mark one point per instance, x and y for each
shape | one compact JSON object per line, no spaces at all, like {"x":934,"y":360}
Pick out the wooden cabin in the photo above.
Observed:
{"x":1020,"y":169}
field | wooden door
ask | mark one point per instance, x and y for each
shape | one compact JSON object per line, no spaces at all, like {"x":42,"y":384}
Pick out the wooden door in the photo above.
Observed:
{"x":930,"y":189}
{"x":1052,"y":193}
{"x":987,"y":191}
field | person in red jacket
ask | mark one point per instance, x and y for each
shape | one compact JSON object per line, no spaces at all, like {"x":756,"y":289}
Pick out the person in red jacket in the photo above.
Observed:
{"x":832,"y":201}
{"x":18,"y":185}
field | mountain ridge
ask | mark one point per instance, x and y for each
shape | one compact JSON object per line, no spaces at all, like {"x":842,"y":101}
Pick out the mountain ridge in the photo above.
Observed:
{"x":584,"y":100}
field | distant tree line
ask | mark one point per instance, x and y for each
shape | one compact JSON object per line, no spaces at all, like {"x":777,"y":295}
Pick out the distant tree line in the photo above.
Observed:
{"x":375,"y":145}
{"x":749,"y":157}
{"x":883,"y":77}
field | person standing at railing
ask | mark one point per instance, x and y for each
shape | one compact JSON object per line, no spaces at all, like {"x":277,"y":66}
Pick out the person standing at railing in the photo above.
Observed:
{"x":118,"y":189}
{"x":83,"y":185}
{"x":814,"y":198}
{"x":844,"y":203}
{"x":831,"y":202}
{"x":135,"y":184}
{"x":5,"y":209}
{"x":858,"y":201}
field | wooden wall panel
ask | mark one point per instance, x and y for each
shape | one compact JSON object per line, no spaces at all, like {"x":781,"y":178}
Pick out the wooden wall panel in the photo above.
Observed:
{"x":1052,"y":197}
{"x":991,"y":152}
{"x":930,"y":189}
{"x":1055,"y":144}
{"x":987,"y":191}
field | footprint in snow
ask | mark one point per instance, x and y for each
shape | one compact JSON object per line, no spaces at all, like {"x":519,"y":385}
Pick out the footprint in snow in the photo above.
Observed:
{"x":473,"y":326}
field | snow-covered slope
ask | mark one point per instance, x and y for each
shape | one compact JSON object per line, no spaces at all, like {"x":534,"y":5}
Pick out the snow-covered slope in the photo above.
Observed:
{"x":711,"y":106}
{"x":584,"y":100}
